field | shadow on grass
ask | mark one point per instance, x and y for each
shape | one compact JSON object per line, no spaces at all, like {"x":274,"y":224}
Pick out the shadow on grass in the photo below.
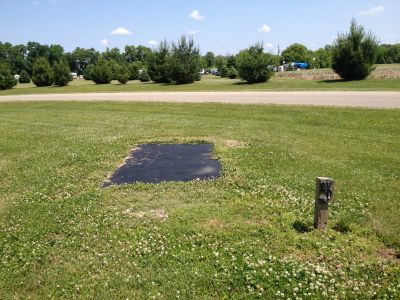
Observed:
{"x":301,"y":226}
{"x":247,"y":83}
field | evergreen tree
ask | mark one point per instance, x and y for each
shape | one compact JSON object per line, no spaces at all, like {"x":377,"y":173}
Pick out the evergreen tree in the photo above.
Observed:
{"x":232,"y":72}
{"x":354,"y":54}
{"x":144,"y":76}
{"x":42,"y":74}
{"x":159,"y":65}
{"x":122,"y":74}
{"x":7,"y":80}
{"x":62,"y":73}
{"x":24,"y":77}
{"x":185,"y":61}
{"x":101,"y":72}
{"x":253,"y":64}
{"x":134,"y":68}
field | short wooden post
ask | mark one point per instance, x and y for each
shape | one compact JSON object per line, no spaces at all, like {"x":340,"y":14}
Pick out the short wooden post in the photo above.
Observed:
{"x":323,"y":195}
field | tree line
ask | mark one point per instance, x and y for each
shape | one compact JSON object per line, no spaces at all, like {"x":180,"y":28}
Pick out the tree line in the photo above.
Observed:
{"x":181,"y":62}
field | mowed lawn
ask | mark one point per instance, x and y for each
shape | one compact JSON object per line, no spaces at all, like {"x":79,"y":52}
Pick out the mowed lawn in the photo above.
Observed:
{"x":245,"y":235}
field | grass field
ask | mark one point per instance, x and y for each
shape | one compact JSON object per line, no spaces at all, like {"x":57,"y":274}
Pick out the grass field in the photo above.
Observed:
{"x":245,"y":235}
{"x":384,"y":78}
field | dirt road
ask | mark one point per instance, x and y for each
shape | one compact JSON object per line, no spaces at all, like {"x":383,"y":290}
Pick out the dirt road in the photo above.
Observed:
{"x":350,"y":99}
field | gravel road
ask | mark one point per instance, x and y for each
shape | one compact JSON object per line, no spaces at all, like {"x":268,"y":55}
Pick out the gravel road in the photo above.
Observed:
{"x":350,"y":99}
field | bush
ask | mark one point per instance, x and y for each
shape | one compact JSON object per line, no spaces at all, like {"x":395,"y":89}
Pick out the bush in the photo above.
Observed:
{"x":62,"y":73}
{"x":144,"y":76}
{"x":101,"y":72}
{"x":223,"y":72}
{"x":232,"y":73}
{"x":354,"y":54}
{"x":253,"y":64}
{"x":24,"y":77}
{"x":159,"y":66}
{"x":87,"y":73}
{"x":122,"y":74}
{"x":7,"y":80}
{"x":134,"y":68}
{"x":185,"y":61}
{"x":42,"y":75}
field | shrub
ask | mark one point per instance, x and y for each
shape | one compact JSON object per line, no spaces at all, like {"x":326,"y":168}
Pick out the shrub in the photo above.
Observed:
{"x":185,"y":61}
{"x":144,"y":76}
{"x":87,"y":73}
{"x":223,"y":72}
{"x":42,"y":75}
{"x":101,"y":72}
{"x":62,"y":73}
{"x":24,"y":77}
{"x":122,"y":74}
{"x":134,"y":68}
{"x":232,"y":73}
{"x":159,"y":66}
{"x":354,"y":54}
{"x":7,"y":80}
{"x":253,"y":64}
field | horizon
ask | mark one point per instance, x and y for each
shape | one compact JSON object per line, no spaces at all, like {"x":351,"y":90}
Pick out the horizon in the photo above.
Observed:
{"x":212,"y":28}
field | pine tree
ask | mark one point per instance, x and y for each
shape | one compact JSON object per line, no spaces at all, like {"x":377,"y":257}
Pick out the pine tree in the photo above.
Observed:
{"x":354,"y":54}
{"x":24,"y":77}
{"x":42,"y":75}
{"x":62,"y":73}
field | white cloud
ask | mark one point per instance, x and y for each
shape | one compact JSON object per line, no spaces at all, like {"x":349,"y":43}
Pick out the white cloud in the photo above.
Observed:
{"x":152,"y":43}
{"x":264,"y":28}
{"x":193,"y":32}
{"x":373,"y":11}
{"x":196,"y":15}
{"x":104,"y":42}
{"x":121,"y":31}
{"x":269,"y":45}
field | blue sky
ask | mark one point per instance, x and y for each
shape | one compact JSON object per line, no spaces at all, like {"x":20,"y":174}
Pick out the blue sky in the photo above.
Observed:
{"x":221,"y":26}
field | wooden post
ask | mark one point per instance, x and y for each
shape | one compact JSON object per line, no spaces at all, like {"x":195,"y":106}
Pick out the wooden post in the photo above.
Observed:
{"x":323,"y":195}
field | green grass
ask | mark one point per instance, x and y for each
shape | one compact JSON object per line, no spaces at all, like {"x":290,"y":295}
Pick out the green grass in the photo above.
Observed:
{"x":244,"y":235}
{"x":213,"y":83}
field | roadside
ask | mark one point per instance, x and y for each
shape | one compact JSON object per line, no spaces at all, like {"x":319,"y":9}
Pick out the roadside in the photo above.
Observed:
{"x":388,"y":100}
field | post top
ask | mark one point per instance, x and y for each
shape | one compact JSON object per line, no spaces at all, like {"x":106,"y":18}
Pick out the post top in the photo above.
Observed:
{"x":325,"y":179}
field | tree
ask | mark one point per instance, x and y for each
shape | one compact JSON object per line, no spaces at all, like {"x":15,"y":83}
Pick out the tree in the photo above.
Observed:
{"x":322,"y":58}
{"x":224,"y":71}
{"x":219,"y":62}
{"x":354,"y":53}
{"x":80,"y":58}
{"x":55,"y":54}
{"x":134,"y":68}
{"x":101,"y":72}
{"x":122,"y":74}
{"x":253,"y":64}
{"x":7,"y":80}
{"x":232,"y":72}
{"x":231,"y":61}
{"x":113,"y":54}
{"x":185,"y":61}
{"x":62,"y":73}
{"x":87,"y":73}
{"x":42,"y":74}
{"x":159,"y":65}
{"x":209,"y":59}
{"x":296,"y":53}
{"x":144,"y":76}
{"x":24,"y":77}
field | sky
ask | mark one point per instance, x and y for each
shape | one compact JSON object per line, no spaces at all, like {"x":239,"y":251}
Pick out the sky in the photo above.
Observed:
{"x":221,"y":26}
